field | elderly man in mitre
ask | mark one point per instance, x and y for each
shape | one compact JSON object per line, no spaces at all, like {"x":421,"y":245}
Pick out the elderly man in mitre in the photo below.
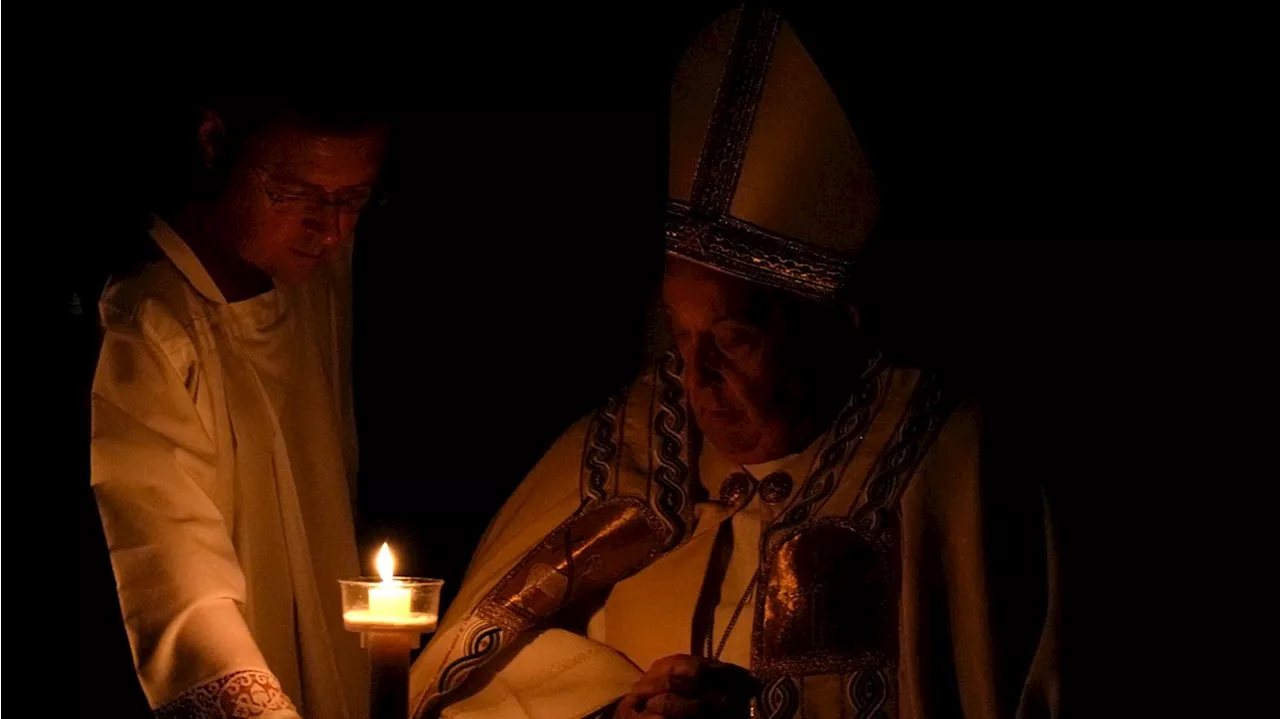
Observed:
{"x":773,"y":520}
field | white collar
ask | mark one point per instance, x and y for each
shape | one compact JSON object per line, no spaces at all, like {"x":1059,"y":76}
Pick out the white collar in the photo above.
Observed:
{"x":180,"y":254}
{"x":764,"y":469}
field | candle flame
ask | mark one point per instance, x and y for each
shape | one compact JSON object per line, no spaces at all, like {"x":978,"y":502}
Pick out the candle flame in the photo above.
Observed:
{"x":386,"y":563}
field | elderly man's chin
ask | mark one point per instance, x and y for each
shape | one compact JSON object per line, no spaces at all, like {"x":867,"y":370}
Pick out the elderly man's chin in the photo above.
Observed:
{"x":731,"y":433}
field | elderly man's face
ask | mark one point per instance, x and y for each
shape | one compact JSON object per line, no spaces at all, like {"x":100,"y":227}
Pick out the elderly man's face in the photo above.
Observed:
{"x":730,"y":334}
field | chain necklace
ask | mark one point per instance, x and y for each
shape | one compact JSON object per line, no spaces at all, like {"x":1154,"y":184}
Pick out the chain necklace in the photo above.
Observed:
{"x":742,"y":603}
{"x":733,"y":620}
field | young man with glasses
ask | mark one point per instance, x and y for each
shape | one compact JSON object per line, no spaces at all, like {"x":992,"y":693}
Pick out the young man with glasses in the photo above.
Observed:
{"x":223,"y":449}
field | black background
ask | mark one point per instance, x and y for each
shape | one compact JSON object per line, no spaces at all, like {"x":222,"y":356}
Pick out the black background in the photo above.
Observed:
{"x":1040,"y":215}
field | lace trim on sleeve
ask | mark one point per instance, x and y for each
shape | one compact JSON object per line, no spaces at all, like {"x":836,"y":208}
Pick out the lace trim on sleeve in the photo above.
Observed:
{"x":239,"y":695}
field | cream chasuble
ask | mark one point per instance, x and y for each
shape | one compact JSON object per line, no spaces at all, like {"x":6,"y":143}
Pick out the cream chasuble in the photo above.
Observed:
{"x":874,"y":595}
{"x":638,"y":605}
{"x":223,"y":461}
{"x":884,"y":582}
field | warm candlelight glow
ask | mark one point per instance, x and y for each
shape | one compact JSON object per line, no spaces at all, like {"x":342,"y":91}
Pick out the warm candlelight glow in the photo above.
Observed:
{"x":386,"y":563}
{"x":391,"y":601}
{"x":387,"y":604}
{"x":391,"y":613}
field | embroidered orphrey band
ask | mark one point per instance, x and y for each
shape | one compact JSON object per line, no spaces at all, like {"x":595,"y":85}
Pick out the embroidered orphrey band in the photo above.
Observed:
{"x":846,"y":433}
{"x":245,"y":694}
{"x":753,"y":253}
{"x":670,"y":498}
{"x":600,"y":451}
{"x":716,"y":179}
{"x":929,"y":407}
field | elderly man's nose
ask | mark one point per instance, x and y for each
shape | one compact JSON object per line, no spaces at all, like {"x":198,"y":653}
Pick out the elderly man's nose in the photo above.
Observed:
{"x":701,"y":367}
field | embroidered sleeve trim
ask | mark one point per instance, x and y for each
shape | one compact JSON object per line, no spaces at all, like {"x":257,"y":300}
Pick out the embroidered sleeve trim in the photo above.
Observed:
{"x":239,"y":695}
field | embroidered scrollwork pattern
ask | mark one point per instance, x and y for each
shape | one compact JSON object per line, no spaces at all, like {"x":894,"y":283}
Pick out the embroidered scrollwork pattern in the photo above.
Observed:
{"x":239,"y":695}
{"x":482,"y":641}
{"x":600,"y":451}
{"x":869,"y":692}
{"x":670,"y":425}
{"x":847,"y":432}
{"x":929,"y":408}
{"x":780,"y":699}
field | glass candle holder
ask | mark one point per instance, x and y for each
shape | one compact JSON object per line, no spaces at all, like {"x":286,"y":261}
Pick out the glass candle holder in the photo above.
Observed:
{"x":401,"y":604}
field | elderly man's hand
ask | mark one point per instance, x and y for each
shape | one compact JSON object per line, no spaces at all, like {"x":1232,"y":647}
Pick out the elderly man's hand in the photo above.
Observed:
{"x":686,"y":687}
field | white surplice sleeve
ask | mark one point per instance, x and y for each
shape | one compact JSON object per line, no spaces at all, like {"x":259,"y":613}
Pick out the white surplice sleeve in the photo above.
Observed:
{"x":154,"y":474}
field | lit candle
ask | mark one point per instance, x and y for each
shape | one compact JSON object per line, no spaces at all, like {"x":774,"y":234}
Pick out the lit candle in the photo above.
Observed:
{"x":390,"y":603}
{"x":382,"y":611}
{"x":391,"y":600}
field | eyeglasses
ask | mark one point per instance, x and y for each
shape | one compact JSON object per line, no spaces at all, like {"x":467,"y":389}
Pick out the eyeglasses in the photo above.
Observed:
{"x":301,"y":199}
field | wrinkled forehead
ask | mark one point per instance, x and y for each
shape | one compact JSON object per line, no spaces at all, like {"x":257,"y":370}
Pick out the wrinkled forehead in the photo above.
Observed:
{"x":696,"y":292}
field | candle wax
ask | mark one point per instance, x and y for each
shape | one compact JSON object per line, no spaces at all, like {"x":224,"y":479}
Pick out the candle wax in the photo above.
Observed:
{"x":391,"y":599}
{"x":357,"y":620}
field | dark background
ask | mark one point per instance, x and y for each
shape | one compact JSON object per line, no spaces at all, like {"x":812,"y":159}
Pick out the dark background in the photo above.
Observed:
{"x":503,"y":292}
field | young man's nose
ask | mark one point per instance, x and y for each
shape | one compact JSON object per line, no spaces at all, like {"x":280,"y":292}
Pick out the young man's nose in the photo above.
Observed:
{"x":326,"y":226}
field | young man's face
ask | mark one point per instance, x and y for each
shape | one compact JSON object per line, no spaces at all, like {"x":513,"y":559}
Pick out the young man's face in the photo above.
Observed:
{"x":293,"y":195}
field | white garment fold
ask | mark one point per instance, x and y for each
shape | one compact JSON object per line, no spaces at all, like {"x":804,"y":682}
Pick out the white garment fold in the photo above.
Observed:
{"x":222,"y":456}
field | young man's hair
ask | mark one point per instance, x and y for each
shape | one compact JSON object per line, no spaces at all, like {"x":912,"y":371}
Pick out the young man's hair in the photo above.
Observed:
{"x":159,"y":165}
{"x":175,"y":170}
{"x":243,"y":114}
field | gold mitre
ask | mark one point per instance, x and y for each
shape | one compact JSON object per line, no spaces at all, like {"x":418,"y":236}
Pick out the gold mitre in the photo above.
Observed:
{"x":767,"y":180}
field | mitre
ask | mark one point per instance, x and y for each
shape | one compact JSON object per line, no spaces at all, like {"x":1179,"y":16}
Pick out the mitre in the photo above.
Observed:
{"x":767,"y":180}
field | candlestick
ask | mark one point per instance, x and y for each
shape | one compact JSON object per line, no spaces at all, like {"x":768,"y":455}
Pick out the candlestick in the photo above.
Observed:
{"x":389,"y":662}
{"x":391,"y":613}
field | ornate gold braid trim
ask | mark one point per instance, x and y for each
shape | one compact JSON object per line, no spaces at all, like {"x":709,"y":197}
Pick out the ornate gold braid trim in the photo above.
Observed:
{"x":753,"y":253}
{"x":715,"y":180}
{"x":820,"y":663}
